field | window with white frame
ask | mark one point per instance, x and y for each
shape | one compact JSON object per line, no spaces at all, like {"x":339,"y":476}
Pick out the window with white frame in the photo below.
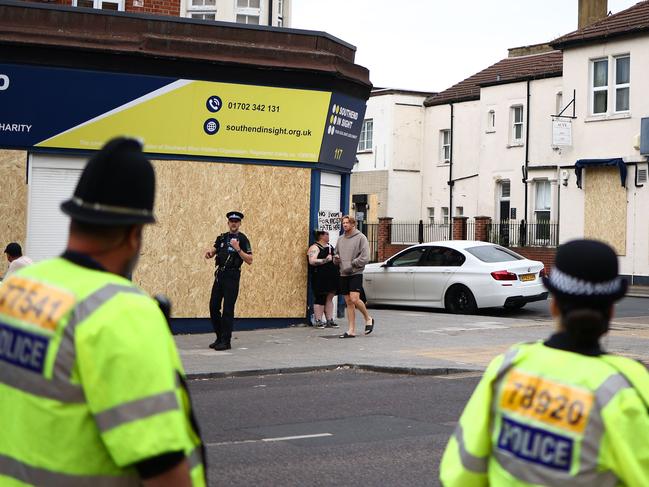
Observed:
{"x":517,"y":125}
{"x":445,"y":215}
{"x":505,"y":188}
{"x":599,"y":86}
{"x":491,"y":121}
{"x":431,"y":214}
{"x":365,"y":139}
{"x":459,"y":211}
{"x":248,"y":11}
{"x":543,"y":202}
{"x":445,"y":145}
{"x":622,"y":83}
{"x":100,"y":4}
{"x":201,"y":9}
{"x":610,"y":80}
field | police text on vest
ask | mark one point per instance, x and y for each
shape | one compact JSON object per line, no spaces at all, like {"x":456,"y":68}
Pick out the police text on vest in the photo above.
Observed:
{"x":535,"y":445}
{"x":21,"y":348}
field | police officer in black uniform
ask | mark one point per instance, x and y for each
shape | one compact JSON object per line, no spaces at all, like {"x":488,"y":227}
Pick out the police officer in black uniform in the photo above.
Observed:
{"x":231,"y":250}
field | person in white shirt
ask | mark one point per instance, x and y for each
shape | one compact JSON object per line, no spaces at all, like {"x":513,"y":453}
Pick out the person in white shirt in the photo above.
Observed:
{"x":16,"y":258}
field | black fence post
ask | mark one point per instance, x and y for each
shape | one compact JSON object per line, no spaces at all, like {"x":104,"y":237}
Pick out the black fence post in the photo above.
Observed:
{"x":522,"y":234}
{"x":420,"y":233}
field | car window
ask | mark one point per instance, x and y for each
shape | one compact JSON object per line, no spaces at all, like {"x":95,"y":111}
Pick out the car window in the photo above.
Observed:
{"x":442,"y":257}
{"x":408,"y":258}
{"x":494,"y":253}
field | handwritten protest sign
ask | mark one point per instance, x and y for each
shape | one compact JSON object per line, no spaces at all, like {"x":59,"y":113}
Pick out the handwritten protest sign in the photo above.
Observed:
{"x":329,"y":221}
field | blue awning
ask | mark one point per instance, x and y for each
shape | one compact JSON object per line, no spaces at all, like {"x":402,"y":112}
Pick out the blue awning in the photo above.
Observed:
{"x":618,"y":161}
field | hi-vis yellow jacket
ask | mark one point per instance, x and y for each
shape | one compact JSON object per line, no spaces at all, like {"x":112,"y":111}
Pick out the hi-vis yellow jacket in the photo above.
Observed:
{"x":90,"y":380}
{"x":543,"y":416}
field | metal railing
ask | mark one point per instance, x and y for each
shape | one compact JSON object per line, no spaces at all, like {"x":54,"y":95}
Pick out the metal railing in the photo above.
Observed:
{"x":371,"y":231}
{"x":412,"y":233}
{"x":522,"y":234}
{"x":506,"y":233}
{"x":419,"y":232}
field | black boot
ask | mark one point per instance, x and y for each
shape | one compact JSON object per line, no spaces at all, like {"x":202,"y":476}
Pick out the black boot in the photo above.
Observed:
{"x":222,"y":346}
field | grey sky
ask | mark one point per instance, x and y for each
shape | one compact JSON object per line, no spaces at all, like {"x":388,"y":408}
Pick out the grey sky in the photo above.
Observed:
{"x":429,"y":45}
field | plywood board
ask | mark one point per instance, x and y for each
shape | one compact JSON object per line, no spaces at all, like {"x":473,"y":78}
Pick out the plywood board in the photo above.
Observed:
{"x":605,"y":207}
{"x":13,"y":200}
{"x":192,"y":200}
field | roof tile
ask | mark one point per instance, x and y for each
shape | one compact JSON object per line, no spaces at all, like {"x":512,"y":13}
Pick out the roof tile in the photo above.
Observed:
{"x":632,"y":20}
{"x":508,"y":70}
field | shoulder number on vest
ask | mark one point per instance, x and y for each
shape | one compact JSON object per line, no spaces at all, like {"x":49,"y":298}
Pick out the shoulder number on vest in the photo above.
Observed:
{"x":559,"y":405}
{"x":34,"y":302}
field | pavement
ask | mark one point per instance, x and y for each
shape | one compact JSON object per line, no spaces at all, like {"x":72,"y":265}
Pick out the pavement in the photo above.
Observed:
{"x":403,"y":341}
{"x":638,"y":292}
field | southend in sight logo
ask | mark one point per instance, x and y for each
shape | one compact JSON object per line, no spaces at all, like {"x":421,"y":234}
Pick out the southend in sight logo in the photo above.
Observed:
{"x":211,"y":125}
{"x":341,"y":117}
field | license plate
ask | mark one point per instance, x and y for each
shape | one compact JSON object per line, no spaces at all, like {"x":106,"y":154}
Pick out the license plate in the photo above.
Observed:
{"x":527,"y":277}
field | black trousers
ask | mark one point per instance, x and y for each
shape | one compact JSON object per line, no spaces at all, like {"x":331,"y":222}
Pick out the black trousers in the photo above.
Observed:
{"x":224,"y":292}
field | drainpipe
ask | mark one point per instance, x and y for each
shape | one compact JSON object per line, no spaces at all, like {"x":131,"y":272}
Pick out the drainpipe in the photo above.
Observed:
{"x":270,"y":13}
{"x":527,"y":147}
{"x":450,"y":181}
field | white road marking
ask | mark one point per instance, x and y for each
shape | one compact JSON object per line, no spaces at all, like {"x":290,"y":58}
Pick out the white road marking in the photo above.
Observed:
{"x":266,"y":440}
{"x":300,"y":437}
{"x":210,"y":353}
{"x":480,"y":325}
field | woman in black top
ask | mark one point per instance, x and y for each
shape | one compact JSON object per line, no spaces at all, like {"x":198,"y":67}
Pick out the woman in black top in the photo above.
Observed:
{"x":324,"y":279}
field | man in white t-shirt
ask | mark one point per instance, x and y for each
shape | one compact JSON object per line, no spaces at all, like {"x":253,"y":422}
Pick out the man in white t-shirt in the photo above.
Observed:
{"x":16,"y":258}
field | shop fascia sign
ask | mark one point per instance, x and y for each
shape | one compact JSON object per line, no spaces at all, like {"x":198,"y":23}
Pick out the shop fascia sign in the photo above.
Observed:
{"x":75,"y":109}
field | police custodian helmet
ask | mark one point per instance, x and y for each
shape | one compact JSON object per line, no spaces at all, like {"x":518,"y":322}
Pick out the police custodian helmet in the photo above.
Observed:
{"x":117,"y":187}
{"x":586,"y":272}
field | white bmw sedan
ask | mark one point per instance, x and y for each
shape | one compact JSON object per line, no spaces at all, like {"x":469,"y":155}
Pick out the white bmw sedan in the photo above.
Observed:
{"x":458,"y":275}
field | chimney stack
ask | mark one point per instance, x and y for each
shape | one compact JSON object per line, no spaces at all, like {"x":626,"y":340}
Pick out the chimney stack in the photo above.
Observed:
{"x":591,"y":11}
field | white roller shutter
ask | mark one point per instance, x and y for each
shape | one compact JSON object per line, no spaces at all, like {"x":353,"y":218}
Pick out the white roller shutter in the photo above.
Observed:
{"x":330,"y":197}
{"x":52,"y":180}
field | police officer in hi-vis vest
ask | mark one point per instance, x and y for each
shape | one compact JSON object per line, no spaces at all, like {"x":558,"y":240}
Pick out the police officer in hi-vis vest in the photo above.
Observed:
{"x":92,"y":390}
{"x":561,"y":412}
{"x":231,"y":249}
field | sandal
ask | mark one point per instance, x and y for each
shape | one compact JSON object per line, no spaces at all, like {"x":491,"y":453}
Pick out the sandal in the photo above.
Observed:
{"x":347,"y":335}
{"x":369,"y":328}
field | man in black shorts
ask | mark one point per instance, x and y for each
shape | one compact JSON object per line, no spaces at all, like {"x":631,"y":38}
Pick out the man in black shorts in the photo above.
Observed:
{"x":352,"y":255}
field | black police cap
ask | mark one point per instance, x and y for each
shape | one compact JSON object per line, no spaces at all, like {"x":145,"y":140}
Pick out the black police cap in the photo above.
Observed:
{"x":117,"y":187}
{"x":586,"y":272}
{"x":234,"y":215}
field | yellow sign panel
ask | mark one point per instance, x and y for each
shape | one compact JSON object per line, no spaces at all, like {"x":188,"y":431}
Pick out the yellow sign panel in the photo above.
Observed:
{"x":563,"y":406}
{"x":34,"y":302}
{"x":213,"y":119}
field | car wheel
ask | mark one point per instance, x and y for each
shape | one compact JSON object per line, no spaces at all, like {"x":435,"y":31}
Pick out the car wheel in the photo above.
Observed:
{"x":459,"y":300}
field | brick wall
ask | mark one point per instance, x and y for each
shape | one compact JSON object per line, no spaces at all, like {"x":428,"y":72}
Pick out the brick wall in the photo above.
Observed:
{"x":459,"y":227}
{"x":544,"y":254}
{"x":154,"y":7}
{"x":481,"y":228}
{"x":386,"y":249}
